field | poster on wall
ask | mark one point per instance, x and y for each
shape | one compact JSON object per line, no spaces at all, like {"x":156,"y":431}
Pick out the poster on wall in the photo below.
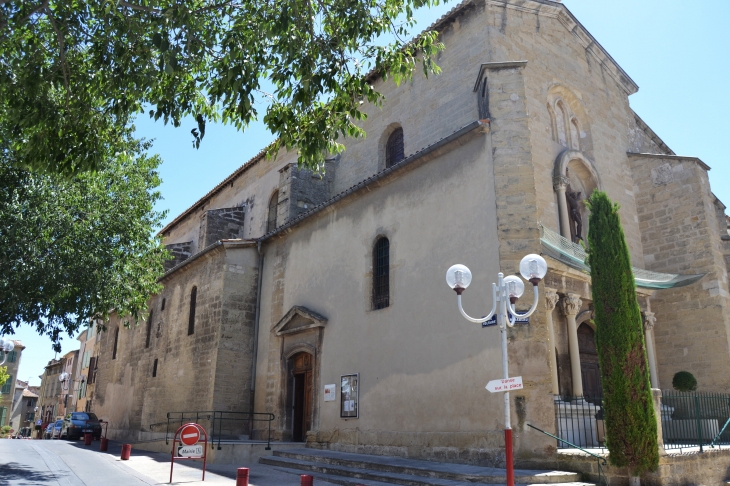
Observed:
{"x":350,"y":395}
{"x":329,"y":393}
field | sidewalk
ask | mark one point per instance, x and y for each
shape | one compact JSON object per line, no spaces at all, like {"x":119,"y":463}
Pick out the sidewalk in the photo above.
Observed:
{"x":154,"y":468}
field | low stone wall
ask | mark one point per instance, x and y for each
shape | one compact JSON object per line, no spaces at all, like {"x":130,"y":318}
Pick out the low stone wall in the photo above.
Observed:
{"x":709,"y":468}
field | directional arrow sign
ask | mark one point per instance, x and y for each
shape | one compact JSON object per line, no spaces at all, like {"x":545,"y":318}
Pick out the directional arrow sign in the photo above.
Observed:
{"x":507,"y":384}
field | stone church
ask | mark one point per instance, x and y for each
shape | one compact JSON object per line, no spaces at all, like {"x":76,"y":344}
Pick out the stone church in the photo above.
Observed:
{"x":320,"y":298}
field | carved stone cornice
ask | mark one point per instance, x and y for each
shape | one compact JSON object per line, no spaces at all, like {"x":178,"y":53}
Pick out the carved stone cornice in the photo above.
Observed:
{"x":551,"y":298}
{"x":649,"y":321}
{"x":571,"y":304}
{"x":560,"y":182}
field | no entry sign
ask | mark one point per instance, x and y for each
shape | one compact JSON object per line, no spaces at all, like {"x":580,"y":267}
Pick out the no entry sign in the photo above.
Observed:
{"x":190,"y":435}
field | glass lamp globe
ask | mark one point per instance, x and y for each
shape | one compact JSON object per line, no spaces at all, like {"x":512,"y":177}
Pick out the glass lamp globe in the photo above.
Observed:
{"x":63,"y":376}
{"x":533,"y":268}
{"x":458,"y":277}
{"x":6,"y":344}
{"x":515,"y":286}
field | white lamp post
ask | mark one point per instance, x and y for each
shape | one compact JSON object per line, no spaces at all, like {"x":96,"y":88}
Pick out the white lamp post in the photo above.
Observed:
{"x":6,"y":346}
{"x":504,"y":295}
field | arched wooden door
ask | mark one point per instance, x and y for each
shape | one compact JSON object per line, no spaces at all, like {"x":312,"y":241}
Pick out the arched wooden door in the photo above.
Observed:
{"x":589,"y":369}
{"x":302,"y":367}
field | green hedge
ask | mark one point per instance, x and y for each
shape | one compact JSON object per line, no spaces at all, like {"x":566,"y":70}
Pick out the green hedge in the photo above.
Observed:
{"x":631,"y":428}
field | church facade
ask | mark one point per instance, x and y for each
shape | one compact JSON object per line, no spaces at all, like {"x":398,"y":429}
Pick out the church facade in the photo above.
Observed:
{"x":321,"y":298}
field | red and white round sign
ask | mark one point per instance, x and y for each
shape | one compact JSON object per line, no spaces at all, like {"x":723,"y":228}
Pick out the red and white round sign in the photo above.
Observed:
{"x":189,"y":435}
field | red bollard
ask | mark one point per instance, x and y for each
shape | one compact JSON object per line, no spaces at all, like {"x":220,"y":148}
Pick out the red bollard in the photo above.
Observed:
{"x":126,"y":451}
{"x":242,"y":476}
{"x":104,"y":444}
{"x":87,"y":438}
{"x":307,"y":480}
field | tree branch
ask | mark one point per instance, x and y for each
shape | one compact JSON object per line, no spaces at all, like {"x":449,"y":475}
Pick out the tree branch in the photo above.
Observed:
{"x":62,"y":53}
{"x":141,"y":8}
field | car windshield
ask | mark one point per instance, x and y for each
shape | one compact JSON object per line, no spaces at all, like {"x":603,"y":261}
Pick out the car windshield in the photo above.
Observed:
{"x":59,"y":423}
{"x":83,"y":416}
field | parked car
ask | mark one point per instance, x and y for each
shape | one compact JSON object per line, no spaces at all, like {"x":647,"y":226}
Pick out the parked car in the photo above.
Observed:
{"x":48,"y":433}
{"x":75,"y":424}
{"x":56,"y":432}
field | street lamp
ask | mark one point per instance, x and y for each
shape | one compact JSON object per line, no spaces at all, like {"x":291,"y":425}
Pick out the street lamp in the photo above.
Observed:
{"x":504,"y":295}
{"x":6,"y":346}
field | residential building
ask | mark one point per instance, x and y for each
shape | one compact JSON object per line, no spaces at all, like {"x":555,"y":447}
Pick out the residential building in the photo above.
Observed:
{"x":86,"y":369}
{"x":7,"y":391}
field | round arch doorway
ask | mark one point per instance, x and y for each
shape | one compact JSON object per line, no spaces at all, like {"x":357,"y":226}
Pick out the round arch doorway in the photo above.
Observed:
{"x":301,"y":367}
{"x":589,"y":370}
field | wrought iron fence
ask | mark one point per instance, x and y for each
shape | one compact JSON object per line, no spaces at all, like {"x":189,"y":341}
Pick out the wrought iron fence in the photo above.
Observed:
{"x":580,"y":421}
{"x":222,"y":425}
{"x":695,"y":419}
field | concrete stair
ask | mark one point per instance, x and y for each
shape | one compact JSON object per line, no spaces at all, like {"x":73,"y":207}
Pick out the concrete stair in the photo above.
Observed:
{"x":363,"y":469}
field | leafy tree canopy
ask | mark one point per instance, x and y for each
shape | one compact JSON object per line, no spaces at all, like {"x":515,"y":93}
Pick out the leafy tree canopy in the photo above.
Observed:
{"x":74,"y":248}
{"x":74,"y":72}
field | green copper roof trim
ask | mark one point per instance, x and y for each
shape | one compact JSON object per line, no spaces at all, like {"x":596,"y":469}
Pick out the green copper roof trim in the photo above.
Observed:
{"x":574,"y":256}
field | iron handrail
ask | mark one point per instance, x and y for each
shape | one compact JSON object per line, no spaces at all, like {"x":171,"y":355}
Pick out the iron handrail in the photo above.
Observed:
{"x":218,"y":415}
{"x":600,"y":461}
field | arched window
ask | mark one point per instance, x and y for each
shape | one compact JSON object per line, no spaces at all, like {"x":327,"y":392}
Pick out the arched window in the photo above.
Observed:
{"x":394,"y":148}
{"x":553,"y":129}
{"x":191,"y":320}
{"x":381,"y":273}
{"x":116,"y":341}
{"x":574,"y":134}
{"x":149,"y":331}
{"x":560,"y":123}
{"x":273,"y":206}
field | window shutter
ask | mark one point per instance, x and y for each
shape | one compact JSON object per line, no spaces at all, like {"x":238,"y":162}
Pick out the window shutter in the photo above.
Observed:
{"x":8,"y":385}
{"x":92,"y":371}
{"x":11,"y":357}
{"x":3,"y":415}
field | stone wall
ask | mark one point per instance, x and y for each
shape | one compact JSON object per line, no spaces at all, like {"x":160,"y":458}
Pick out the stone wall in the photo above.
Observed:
{"x":221,"y":224}
{"x":207,"y":370}
{"x":179,"y":252}
{"x":300,"y":190}
{"x":681,"y":234}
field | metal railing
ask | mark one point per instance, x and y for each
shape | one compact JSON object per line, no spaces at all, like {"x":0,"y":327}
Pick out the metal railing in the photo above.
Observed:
{"x":222,"y":425}
{"x":600,"y":461}
{"x":580,"y":421}
{"x":695,"y":419}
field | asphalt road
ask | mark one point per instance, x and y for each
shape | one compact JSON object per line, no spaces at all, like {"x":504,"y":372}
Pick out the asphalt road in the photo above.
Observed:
{"x":70,"y":463}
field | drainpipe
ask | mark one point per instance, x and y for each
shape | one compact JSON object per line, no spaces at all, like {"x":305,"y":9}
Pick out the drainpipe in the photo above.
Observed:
{"x":256,"y":333}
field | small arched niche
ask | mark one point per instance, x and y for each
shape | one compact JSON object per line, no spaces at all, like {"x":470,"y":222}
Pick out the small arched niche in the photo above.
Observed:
{"x":574,"y":179}
{"x":569,"y":119}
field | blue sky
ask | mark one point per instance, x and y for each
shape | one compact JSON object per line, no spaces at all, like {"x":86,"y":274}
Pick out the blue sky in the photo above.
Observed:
{"x":677,"y":52}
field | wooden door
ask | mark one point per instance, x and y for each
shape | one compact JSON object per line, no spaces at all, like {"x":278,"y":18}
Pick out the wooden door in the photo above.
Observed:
{"x":589,"y":370}
{"x":303,"y":396}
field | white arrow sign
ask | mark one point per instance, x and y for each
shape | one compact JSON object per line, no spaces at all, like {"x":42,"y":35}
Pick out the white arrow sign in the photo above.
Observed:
{"x":504,"y":385}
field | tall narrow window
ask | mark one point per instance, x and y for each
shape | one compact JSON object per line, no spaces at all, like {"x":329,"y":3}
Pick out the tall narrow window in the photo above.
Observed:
{"x":394,"y":148}
{"x":154,"y":369}
{"x":273,"y":207}
{"x":381,"y":274}
{"x":116,"y":341}
{"x":574,"y":134}
{"x":560,"y":123}
{"x":149,"y":330}
{"x":191,"y":320}
{"x":162,"y":307}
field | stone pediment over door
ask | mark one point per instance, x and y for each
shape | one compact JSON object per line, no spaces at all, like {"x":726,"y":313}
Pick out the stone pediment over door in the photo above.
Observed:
{"x":299,"y":319}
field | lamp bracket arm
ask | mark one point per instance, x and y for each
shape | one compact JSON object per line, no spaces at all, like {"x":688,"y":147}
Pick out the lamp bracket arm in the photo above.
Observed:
{"x":469,"y":318}
{"x":532,"y":309}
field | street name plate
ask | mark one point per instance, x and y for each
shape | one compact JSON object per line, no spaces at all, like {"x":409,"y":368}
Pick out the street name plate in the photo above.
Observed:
{"x":505,"y":385}
{"x":190,"y":451}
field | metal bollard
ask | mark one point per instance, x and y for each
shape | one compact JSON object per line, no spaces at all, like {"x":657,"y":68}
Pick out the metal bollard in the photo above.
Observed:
{"x":87,"y":438}
{"x":126,"y":451}
{"x":307,"y":480}
{"x":242,"y":476}
{"x":104,"y":444}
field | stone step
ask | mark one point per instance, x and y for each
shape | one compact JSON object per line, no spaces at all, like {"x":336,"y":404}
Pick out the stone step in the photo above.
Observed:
{"x":408,"y":472}
{"x":345,"y":481}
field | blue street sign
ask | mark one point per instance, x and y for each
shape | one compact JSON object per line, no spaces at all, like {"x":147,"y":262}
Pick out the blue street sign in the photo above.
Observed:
{"x":493,"y":321}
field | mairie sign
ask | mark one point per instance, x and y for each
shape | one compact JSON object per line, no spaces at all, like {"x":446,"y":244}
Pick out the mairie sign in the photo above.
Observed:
{"x":504,"y":385}
{"x":493,"y":320}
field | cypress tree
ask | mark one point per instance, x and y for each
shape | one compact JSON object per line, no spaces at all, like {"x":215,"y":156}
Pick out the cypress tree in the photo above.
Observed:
{"x":631,"y":429}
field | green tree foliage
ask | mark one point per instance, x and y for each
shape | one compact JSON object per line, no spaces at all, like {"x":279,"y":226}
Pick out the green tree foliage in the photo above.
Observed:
{"x":631,"y":429}
{"x":3,"y":375}
{"x":74,"y":248}
{"x":75,"y":72}
{"x":684,"y":381}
